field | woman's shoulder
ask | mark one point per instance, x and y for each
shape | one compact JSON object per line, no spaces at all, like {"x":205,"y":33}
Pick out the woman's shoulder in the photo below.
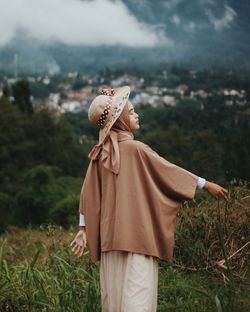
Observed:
{"x":135,"y":145}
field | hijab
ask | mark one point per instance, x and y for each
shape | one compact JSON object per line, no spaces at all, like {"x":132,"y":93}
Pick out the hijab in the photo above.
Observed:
{"x":108,"y":151}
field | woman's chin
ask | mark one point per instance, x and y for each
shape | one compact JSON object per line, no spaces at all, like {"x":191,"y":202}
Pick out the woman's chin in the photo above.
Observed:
{"x":136,"y":128}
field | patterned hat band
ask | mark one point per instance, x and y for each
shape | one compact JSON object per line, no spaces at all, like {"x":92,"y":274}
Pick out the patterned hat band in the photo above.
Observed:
{"x":105,"y":113}
{"x":109,"y":92}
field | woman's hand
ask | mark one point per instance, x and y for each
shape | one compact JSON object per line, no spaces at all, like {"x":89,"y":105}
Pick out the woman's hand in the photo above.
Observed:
{"x":79,"y":243}
{"x":216,"y":190}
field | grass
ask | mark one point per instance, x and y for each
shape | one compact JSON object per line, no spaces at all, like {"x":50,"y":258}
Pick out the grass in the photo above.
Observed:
{"x":210,"y":271}
{"x":49,"y":278}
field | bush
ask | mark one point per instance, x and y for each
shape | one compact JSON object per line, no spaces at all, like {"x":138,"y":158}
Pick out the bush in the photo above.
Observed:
{"x":65,"y":212}
{"x":6,"y":207}
{"x":37,"y":195}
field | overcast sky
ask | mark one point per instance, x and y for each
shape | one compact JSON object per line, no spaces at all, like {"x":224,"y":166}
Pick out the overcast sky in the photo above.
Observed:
{"x":75,"y":22}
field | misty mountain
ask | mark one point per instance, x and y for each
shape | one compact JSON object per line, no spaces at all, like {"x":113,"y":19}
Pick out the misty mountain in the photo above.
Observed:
{"x":217,"y":30}
{"x":199,"y":32}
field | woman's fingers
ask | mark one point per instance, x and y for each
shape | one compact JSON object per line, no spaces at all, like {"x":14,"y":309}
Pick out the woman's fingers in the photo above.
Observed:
{"x":75,"y":248}
{"x":81,"y":251}
{"x":78,"y":244}
{"x":78,"y":248}
{"x":222,"y":192}
{"x":72,"y":243}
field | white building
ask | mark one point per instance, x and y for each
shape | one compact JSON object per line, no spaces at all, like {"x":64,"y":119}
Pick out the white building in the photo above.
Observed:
{"x":70,"y":106}
{"x":169,"y":100}
{"x":53,"y":101}
{"x":46,"y":80}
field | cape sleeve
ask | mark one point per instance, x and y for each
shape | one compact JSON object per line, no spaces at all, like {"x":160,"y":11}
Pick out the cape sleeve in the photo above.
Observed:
{"x":90,"y":206}
{"x":173,"y":180}
{"x":91,"y":188}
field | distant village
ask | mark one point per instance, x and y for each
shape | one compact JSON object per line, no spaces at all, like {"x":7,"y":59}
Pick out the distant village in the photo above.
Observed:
{"x":64,"y":98}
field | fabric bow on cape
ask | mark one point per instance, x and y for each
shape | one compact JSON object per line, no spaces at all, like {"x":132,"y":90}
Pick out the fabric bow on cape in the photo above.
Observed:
{"x":108,"y":151}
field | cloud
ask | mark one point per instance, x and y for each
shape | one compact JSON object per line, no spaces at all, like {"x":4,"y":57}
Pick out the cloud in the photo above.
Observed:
{"x":210,"y":2}
{"x":225,"y":21}
{"x":172,"y":4}
{"x":176,"y":20}
{"x":76,"y":22}
{"x":190,"y":27}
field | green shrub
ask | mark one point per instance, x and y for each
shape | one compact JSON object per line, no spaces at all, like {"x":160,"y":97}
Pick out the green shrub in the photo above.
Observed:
{"x":6,"y":207}
{"x":65,"y":212}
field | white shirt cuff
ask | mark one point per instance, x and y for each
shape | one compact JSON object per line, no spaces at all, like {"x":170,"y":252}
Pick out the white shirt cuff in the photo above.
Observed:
{"x":201,"y":182}
{"x":81,"y":220}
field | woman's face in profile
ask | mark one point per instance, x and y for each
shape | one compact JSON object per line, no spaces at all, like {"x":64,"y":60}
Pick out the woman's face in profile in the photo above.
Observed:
{"x":133,"y":116}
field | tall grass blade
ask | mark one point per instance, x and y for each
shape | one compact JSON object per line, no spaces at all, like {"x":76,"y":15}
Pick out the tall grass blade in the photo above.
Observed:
{"x":218,"y":304}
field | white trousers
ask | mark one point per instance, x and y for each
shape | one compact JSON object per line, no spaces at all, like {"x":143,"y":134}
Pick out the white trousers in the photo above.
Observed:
{"x":129,"y":282}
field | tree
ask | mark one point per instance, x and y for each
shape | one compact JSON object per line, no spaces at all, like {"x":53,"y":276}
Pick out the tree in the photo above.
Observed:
{"x":172,"y":144}
{"x":6,"y":209}
{"x":52,"y":142}
{"x":65,"y":212}
{"x":46,"y":195}
{"x":207,"y":156}
{"x":37,"y":195}
{"x":13,"y":157}
{"x":6,"y":90}
{"x":21,"y":93}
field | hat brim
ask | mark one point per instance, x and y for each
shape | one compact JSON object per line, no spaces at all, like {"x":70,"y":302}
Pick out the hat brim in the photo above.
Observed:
{"x":119,"y":100}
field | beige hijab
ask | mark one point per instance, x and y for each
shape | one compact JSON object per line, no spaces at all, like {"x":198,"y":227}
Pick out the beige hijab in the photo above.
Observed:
{"x":108,"y":151}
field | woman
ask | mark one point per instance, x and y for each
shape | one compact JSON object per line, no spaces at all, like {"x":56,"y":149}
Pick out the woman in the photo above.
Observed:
{"x":129,"y":201}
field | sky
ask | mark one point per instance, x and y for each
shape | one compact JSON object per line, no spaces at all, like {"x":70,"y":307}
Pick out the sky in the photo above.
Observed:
{"x":76,"y":22}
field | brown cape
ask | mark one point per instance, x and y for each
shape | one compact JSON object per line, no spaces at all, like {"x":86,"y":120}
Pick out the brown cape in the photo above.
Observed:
{"x":135,"y":210}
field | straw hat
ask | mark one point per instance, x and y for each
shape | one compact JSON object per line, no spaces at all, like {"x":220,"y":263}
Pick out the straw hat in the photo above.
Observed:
{"x":106,"y":108}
